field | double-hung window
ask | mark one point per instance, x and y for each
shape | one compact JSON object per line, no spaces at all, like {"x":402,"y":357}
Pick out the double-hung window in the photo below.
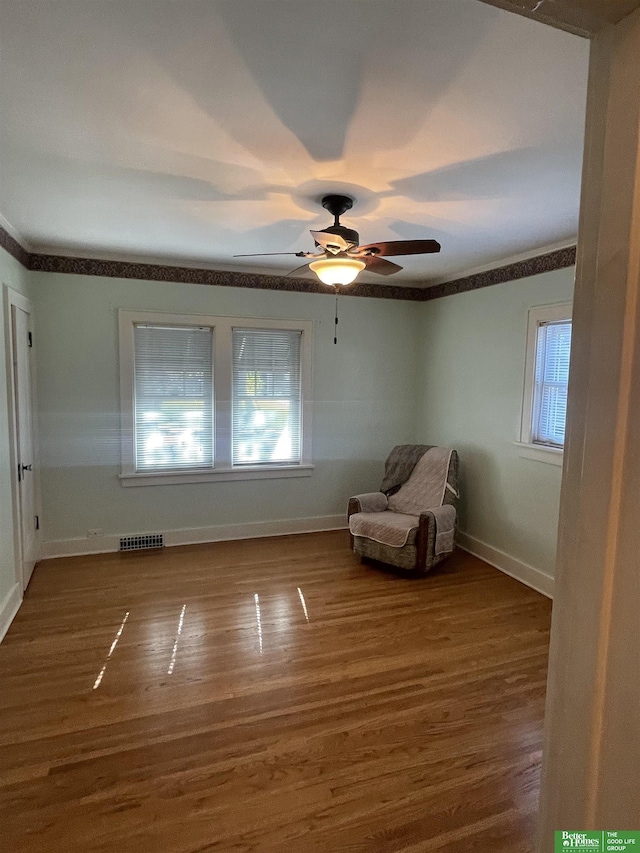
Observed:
{"x":173,"y":397}
{"x":266,"y":396}
{"x":544,"y":409}
{"x":213,"y":398}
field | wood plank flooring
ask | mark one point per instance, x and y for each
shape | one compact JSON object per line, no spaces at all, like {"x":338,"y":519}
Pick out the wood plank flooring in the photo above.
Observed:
{"x":271,"y":695}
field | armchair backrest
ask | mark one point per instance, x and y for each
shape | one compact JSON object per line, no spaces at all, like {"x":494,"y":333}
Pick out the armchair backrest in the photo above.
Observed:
{"x":399,"y":465}
{"x":432,"y":481}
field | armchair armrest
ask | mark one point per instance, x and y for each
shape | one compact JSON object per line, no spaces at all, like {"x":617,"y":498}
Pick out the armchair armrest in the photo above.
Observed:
{"x":370,"y":502}
{"x":436,"y":534}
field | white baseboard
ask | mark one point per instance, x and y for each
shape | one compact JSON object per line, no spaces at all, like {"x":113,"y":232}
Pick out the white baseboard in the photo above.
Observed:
{"x":8,"y":609}
{"x":195,"y":535}
{"x":522,"y":572}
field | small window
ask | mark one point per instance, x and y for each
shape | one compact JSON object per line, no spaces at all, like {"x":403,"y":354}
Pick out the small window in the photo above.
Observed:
{"x":553,"y":347}
{"x":544,"y":410}
{"x":213,"y":398}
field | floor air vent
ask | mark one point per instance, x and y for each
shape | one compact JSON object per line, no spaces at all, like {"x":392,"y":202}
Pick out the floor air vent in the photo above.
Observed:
{"x":139,"y":543}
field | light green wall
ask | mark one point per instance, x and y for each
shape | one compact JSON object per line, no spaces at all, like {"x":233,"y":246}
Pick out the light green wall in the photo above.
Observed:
{"x":14,"y":275}
{"x":472,"y":356}
{"x":364,"y":395}
{"x":448,"y":372}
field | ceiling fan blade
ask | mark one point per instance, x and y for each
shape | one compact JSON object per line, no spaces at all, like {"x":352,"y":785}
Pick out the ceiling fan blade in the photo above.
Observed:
{"x":378,"y":265}
{"x":325,"y":240}
{"x":401,"y":247}
{"x":264,"y":254}
{"x":304,"y":267}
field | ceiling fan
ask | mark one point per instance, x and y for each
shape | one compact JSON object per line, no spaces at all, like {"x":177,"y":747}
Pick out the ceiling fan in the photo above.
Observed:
{"x":341,"y":257}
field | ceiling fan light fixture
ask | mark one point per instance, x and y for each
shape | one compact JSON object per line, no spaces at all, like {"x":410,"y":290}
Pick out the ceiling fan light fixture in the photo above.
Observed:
{"x":337,"y":271}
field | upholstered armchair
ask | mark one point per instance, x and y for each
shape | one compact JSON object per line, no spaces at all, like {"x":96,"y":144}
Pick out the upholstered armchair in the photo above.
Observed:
{"x":410,"y":523}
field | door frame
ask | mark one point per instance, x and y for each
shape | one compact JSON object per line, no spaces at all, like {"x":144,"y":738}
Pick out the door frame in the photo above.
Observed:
{"x":12,"y":298}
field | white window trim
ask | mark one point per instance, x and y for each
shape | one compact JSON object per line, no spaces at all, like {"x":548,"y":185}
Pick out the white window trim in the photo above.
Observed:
{"x":540,"y":452}
{"x":222,"y":468}
{"x":526,"y":447}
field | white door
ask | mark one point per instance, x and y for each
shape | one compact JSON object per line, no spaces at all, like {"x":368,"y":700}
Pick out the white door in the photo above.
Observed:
{"x":29,"y":523}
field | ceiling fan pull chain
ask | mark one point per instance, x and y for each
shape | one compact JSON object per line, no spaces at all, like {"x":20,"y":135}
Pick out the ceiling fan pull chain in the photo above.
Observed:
{"x":335,"y":333}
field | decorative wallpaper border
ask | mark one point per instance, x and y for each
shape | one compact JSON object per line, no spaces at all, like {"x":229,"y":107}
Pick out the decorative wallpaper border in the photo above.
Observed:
{"x":215,"y":278}
{"x":14,"y":248}
{"x":558,"y":259}
{"x":570,"y":17}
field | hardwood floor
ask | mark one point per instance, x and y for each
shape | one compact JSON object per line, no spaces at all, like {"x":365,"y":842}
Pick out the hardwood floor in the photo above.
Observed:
{"x":271,"y":695}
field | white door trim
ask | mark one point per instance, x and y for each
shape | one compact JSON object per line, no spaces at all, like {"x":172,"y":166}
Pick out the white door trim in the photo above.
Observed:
{"x":12,"y":298}
{"x":591,"y":751}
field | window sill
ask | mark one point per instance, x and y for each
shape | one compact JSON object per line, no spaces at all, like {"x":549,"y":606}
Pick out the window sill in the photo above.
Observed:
{"x":172,"y":478}
{"x":541,"y":453}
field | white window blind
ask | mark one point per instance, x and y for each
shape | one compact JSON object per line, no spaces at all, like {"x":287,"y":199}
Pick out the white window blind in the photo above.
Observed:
{"x":553,"y":347}
{"x":173,"y":405}
{"x":267,"y":399}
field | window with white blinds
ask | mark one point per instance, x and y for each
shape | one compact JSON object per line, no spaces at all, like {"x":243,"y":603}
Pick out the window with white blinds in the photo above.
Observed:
{"x":266,"y":396}
{"x":173,"y":397}
{"x":213,"y":398}
{"x":553,"y":348}
{"x":546,"y":379}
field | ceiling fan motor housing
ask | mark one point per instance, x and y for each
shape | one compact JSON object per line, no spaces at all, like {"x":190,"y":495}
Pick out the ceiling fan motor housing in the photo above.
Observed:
{"x":348,"y":234}
{"x":337,"y":205}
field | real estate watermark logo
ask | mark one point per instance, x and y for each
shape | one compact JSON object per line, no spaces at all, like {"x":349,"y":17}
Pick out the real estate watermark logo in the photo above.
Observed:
{"x":601,"y":841}
{"x":579,"y":841}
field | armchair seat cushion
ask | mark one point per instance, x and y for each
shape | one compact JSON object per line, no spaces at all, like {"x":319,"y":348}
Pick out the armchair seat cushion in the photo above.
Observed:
{"x":389,"y":528}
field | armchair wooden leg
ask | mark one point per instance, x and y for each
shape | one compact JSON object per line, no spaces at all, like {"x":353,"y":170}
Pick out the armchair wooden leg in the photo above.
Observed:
{"x":352,"y":508}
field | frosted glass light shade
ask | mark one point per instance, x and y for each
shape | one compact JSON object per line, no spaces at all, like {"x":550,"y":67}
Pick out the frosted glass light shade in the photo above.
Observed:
{"x":337,"y":270}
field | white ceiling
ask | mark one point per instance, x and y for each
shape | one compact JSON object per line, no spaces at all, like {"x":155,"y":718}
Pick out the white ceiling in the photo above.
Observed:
{"x":192,"y":130}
